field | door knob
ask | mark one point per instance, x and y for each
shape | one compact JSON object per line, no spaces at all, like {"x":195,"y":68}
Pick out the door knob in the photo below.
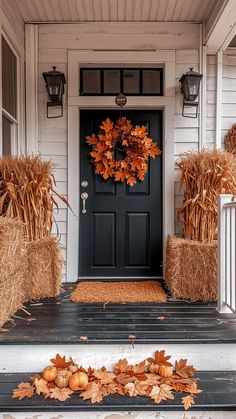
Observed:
{"x":84,"y":196}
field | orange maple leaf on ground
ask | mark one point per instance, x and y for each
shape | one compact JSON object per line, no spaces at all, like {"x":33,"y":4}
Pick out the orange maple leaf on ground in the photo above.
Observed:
{"x":41,"y":386}
{"x":122,"y":366}
{"x":160,"y":359}
{"x":184,"y":370}
{"x":60,"y":362}
{"x":23,"y":390}
{"x":162,"y":392}
{"x":93,"y":392}
{"x":104,"y":376}
{"x":188,"y":401}
{"x":60,"y":394}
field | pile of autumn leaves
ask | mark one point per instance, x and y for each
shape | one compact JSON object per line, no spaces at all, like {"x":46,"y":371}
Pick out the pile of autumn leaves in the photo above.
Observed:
{"x":155,"y":378}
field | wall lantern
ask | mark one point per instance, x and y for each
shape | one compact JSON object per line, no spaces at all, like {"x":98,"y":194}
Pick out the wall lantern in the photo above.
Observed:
{"x":55,"y":81}
{"x":190,"y":85}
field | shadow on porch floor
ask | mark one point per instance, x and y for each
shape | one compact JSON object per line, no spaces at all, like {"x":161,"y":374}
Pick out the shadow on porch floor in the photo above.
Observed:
{"x":59,"y":321}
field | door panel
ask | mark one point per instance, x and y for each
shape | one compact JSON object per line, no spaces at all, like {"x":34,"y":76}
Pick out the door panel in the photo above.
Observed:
{"x":121,"y":231}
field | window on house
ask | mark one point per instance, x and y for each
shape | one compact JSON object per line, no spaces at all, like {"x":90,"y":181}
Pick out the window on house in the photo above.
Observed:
{"x":112,"y":81}
{"x":9,"y":99}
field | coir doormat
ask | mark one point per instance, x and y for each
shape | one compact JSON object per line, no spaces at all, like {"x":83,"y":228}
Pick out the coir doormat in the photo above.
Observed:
{"x":119,"y":292}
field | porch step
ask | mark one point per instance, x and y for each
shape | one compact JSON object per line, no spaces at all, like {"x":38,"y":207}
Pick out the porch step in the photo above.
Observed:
{"x":219,"y":393}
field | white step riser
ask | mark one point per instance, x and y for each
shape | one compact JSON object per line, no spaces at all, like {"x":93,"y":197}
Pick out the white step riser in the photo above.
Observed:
{"x":28,"y":358}
{"x":122,"y":415}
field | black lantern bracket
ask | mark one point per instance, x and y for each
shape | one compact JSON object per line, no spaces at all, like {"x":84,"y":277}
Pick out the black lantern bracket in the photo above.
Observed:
{"x":190,"y":86}
{"x":55,"y":82}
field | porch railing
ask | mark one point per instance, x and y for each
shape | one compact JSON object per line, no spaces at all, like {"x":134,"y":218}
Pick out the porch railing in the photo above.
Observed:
{"x":226,"y":254}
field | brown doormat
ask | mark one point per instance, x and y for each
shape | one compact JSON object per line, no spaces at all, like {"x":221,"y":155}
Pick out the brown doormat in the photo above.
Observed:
{"x":119,"y":292}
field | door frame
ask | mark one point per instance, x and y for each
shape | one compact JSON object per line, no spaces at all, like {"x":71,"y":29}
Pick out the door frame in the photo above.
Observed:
{"x":166,"y":103}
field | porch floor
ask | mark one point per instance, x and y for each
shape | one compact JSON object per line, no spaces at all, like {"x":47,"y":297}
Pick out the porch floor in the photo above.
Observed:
{"x":59,"y":321}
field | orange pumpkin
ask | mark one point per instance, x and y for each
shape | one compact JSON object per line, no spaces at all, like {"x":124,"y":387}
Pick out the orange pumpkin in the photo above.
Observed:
{"x":165,"y":371}
{"x":50,"y":373}
{"x":78,"y":381}
{"x":154,"y":368}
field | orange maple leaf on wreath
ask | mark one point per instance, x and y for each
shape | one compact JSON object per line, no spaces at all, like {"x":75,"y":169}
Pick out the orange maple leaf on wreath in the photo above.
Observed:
{"x":93,"y":391}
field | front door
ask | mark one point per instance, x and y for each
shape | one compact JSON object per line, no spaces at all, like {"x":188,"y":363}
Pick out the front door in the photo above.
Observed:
{"x":121,"y":231}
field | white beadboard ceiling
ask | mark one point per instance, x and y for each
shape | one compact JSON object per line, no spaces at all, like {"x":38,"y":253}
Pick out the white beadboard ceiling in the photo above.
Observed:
{"x":113,"y":10}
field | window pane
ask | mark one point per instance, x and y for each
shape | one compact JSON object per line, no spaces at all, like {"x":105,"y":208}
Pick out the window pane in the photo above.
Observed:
{"x":112,"y":81}
{"x":151,"y":82}
{"x":91,"y":82}
{"x":131,"y":81}
{"x":6,"y":137}
{"x":9,"y":84}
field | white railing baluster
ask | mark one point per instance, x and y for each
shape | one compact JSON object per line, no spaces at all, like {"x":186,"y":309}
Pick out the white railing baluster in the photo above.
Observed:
{"x":226,"y":254}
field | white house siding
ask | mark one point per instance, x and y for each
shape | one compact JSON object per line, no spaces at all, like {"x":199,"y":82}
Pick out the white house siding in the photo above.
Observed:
{"x":229,"y":92}
{"x":54,"y":42}
{"x":12,"y":22}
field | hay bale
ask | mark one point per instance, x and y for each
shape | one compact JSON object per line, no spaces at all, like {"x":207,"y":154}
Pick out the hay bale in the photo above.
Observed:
{"x":191,"y":269}
{"x":12,"y":267}
{"x":44,"y":274}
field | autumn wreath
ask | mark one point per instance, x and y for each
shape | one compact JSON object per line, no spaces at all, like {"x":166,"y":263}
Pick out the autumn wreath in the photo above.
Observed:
{"x":133,"y":142}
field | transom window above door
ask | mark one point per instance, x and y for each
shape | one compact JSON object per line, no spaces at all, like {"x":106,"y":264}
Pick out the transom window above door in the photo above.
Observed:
{"x":130,"y":81}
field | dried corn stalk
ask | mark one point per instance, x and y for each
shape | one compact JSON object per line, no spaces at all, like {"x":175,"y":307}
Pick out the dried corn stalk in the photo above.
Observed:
{"x":205,"y":175}
{"x":230,"y":140}
{"x":26,"y":193}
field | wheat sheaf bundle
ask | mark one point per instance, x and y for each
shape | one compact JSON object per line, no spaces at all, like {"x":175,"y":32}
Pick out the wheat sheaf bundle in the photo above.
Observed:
{"x":26,"y":193}
{"x":205,"y":175}
{"x":230,"y":140}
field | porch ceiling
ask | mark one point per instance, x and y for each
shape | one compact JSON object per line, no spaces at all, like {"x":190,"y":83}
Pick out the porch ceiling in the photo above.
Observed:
{"x":114,"y":10}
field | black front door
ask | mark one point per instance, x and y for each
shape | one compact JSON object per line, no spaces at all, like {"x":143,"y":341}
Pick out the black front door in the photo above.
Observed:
{"x":121,"y":231}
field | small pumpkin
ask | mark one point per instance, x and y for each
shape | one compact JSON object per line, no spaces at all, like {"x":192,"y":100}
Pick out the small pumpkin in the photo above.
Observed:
{"x":78,"y":381}
{"x":154,"y":368}
{"x":165,"y":371}
{"x":63,"y":377}
{"x":50,"y":373}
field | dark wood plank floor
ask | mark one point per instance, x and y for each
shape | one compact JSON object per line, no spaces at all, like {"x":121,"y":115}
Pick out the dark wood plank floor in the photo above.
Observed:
{"x":219,"y":393}
{"x":58,"y":321}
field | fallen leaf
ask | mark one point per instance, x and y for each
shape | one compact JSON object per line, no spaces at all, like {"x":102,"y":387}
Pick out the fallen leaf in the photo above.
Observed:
{"x":188,"y":401}
{"x":93,"y":392}
{"x":140,"y":368}
{"x":84,"y":338}
{"x":122,"y":366}
{"x":161,"y":318}
{"x":33,"y":378}
{"x":104,"y":376}
{"x":162,"y":392}
{"x":152,"y":379}
{"x":41,"y":386}
{"x":160,"y":359}
{"x":123,"y":378}
{"x":60,"y":394}
{"x":138,"y":388}
{"x":193,"y":389}
{"x":23,"y":390}
{"x":60,"y":362}
{"x":132,"y":337}
{"x":184,"y":370}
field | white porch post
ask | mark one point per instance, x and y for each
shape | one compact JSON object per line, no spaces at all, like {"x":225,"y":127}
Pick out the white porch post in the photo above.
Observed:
{"x":219,"y":98}
{"x":31,"y":58}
